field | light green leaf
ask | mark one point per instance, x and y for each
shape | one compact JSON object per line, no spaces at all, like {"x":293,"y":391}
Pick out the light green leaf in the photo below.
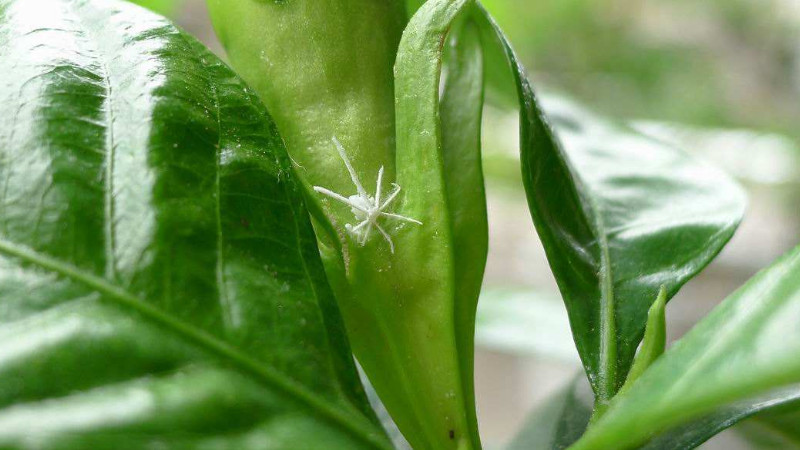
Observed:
{"x":654,"y":341}
{"x":746,"y":347}
{"x":461,"y":109}
{"x":440,"y":264}
{"x":159,"y":279}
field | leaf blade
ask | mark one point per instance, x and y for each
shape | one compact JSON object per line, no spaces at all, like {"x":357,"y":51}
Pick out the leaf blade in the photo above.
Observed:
{"x":617,"y":214}
{"x":751,"y":334}
{"x":138,"y":168}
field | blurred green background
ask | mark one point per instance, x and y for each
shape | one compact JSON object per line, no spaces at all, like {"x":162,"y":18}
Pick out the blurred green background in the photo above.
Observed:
{"x":718,"y":78}
{"x":731,"y":63}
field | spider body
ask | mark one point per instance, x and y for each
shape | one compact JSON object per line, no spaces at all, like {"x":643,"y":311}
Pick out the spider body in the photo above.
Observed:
{"x":366,"y":208}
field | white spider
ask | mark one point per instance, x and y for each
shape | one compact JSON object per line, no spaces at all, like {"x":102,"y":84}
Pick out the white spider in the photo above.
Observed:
{"x":366,"y":208}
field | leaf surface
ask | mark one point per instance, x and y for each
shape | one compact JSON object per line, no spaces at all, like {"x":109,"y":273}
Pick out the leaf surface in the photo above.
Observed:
{"x":620,"y":214}
{"x":563,"y":418}
{"x":159,"y":278}
{"x":746,"y":348}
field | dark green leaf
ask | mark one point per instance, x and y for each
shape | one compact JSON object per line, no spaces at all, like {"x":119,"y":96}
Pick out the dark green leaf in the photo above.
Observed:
{"x":159,"y":279}
{"x":745,"y":348}
{"x":620,"y":215}
{"x":776,"y":428}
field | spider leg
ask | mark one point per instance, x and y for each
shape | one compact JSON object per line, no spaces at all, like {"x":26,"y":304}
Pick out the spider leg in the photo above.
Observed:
{"x":353,"y":174}
{"x":339,"y":197}
{"x":359,"y":226}
{"x":399,"y":217}
{"x":386,"y":236}
{"x":378,"y":188}
{"x":392,"y":196}
{"x":366,"y":233}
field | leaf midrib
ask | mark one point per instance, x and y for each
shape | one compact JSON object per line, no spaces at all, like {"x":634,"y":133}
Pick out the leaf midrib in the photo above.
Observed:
{"x":608,"y":327}
{"x":265,"y":374}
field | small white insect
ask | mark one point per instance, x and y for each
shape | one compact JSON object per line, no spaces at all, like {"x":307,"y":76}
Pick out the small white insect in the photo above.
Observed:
{"x":366,"y":208}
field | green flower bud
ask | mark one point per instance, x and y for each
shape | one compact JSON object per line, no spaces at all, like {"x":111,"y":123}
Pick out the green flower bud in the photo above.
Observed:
{"x":391,"y":164}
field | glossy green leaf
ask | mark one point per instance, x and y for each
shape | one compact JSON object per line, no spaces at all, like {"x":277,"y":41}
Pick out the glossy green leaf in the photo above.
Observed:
{"x":620,"y":214}
{"x":159,"y":279}
{"x":745,"y":348}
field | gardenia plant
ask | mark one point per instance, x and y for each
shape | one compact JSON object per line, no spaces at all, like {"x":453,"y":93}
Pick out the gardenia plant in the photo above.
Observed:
{"x":190,"y":256}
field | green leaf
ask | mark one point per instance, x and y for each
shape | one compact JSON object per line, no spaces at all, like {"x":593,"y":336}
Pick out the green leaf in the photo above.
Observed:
{"x":620,"y":214}
{"x":745,"y":348}
{"x":159,"y":279}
